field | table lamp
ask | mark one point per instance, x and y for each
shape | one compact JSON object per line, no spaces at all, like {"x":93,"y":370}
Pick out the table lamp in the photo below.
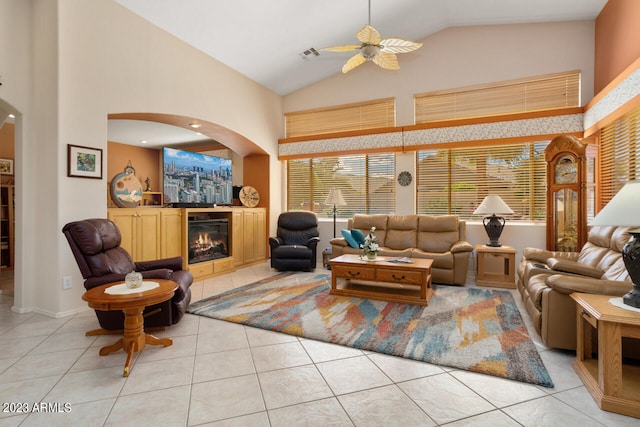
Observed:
{"x":622,"y":210}
{"x":493,"y":224}
{"x":335,"y":198}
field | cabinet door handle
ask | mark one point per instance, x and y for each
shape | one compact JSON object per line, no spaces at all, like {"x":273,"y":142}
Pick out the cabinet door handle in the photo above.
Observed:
{"x":352,"y":274}
{"x":585,"y":313}
{"x":398,"y":278}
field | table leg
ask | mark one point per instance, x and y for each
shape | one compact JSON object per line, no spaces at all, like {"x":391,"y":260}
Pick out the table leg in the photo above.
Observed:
{"x":127,"y":364}
{"x":609,"y":358}
{"x":153,"y":340}
{"x":111,"y":348}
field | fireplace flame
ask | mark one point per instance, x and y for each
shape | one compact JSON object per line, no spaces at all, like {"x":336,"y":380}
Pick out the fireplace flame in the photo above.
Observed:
{"x":204,"y":240}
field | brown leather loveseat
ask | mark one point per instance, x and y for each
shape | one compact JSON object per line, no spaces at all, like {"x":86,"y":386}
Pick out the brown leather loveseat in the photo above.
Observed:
{"x":440,"y":238}
{"x":547,"y":278}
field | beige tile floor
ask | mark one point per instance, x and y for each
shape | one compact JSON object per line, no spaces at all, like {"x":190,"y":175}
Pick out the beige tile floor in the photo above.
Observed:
{"x":224,"y":374}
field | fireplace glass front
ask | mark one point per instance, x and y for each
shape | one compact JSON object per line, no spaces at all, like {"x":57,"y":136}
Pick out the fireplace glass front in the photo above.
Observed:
{"x":208,"y":239}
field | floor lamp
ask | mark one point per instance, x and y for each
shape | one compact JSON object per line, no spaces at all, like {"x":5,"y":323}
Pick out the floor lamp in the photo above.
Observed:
{"x":493,"y":224}
{"x":335,"y":198}
{"x":622,"y":210}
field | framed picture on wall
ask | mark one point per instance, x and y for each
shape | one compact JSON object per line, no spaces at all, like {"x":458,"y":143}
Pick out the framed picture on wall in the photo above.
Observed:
{"x":84,"y":162}
{"x":6,"y":167}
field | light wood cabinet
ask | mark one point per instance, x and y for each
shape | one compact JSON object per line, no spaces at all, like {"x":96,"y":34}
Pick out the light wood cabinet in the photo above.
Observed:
{"x":140,"y":231}
{"x":154,"y":233}
{"x":254,"y":235}
{"x":237,"y":234}
{"x":171,"y":233}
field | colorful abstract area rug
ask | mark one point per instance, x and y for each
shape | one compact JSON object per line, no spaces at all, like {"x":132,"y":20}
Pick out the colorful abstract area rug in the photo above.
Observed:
{"x":478,"y":330}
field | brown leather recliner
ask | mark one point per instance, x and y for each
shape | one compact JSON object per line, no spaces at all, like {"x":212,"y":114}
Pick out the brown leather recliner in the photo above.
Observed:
{"x":95,"y":244}
{"x":546,"y":279}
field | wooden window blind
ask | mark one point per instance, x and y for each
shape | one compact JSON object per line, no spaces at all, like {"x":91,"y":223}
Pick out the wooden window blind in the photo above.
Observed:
{"x":619,"y":155}
{"x":366,"y":181}
{"x":546,"y":92}
{"x":456,"y":180}
{"x":364,"y":115}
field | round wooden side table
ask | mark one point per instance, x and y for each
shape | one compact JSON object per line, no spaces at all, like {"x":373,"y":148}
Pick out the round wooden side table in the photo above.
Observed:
{"x":132,"y":304}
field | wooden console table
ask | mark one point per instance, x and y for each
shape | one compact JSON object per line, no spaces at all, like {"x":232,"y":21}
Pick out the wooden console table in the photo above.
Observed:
{"x":381,"y":279}
{"x":133,"y":304}
{"x":614,"y":385}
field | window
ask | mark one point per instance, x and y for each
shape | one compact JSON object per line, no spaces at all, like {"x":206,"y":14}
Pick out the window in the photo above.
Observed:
{"x":366,"y":181}
{"x":619,"y":155}
{"x":560,"y":90}
{"x":456,"y":180}
{"x":364,"y":115}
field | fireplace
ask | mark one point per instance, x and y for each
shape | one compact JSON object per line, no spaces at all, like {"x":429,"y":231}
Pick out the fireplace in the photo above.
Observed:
{"x":208,"y":239}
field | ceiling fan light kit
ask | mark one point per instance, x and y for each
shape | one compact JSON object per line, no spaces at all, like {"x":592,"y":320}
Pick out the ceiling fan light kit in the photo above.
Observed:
{"x":372,"y":47}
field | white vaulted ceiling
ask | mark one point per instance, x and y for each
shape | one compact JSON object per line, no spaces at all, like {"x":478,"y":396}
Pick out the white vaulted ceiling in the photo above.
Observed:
{"x":264,"y":39}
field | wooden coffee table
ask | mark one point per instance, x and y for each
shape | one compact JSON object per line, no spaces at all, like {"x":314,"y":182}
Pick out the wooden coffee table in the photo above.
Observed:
{"x":381,"y":279}
{"x":133,"y":304}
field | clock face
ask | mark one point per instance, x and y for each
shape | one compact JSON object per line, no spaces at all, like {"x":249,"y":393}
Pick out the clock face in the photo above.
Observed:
{"x":249,"y":196}
{"x":566,"y":171}
{"x":404,"y":178}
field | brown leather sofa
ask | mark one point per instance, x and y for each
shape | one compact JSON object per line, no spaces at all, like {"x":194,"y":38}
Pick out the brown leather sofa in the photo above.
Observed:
{"x":547,"y":278}
{"x":95,"y":244}
{"x":440,"y":238}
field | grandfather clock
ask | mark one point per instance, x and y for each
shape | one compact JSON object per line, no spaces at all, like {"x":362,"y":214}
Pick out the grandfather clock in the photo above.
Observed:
{"x":566,"y":211}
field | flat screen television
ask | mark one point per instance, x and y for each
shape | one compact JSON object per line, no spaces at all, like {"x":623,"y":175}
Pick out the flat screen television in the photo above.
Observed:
{"x":196,"y":179}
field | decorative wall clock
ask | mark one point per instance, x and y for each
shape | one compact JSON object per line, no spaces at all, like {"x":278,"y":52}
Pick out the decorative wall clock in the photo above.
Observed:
{"x":404,"y":178}
{"x":126,"y":189}
{"x":249,"y":196}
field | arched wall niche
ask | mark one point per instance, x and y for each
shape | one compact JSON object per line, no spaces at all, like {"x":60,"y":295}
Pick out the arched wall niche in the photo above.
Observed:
{"x":255,"y":170}
{"x":223,"y":135}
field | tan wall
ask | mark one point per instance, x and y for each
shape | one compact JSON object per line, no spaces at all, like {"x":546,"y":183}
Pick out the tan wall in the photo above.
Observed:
{"x":458,"y":57}
{"x":617,"y":42}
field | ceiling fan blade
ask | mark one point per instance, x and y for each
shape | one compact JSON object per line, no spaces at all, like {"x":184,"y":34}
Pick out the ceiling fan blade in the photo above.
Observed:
{"x":345,"y":48}
{"x":386,"y":60}
{"x":368,"y":35}
{"x":395,"y":45}
{"x":353,"y":62}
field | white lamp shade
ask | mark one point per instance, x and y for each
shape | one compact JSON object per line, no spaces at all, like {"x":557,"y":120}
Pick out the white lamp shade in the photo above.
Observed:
{"x":335,"y":198}
{"x":623,"y":209}
{"x":493,"y":204}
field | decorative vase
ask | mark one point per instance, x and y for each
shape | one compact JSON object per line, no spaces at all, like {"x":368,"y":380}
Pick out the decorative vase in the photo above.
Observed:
{"x":133,"y":280}
{"x":371,"y":256}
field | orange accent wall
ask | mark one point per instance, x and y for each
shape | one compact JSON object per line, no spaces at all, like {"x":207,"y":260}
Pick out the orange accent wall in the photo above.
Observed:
{"x":617,"y":43}
{"x":146,"y":162}
{"x":7,"y":148}
{"x":256,"y":174}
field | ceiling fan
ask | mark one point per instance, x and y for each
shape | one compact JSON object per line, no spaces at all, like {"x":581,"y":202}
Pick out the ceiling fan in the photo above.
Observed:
{"x":374,"y":48}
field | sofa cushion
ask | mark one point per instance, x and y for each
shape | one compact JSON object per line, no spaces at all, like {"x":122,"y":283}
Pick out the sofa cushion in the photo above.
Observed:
{"x":536,"y":287}
{"x":365,"y":222}
{"x":401,"y":232}
{"x":591,"y":254}
{"x":617,"y":270}
{"x":440,"y":260}
{"x":569,"y":266}
{"x":437,"y":233}
{"x":349,"y":238}
{"x":359,"y":236}
{"x":619,"y":238}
